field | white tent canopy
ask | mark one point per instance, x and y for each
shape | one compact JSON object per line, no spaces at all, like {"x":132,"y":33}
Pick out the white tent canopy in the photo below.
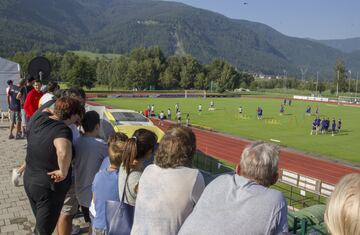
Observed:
{"x":8,"y":71}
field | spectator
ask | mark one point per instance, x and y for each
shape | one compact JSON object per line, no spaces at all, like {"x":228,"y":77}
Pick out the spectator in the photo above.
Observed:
{"x":105,"y":186}
{"x":49,"y":95}
{"x":137,"y":149}
{"x":168,"y":189}
{"x":14,"y":108}
{"x":242,"y":203}
{"x":21,"y":97}
{"x":117,"y":137}
{"x":47,"y":176}
{"x":90,"y":152}
{"x":342,"y":213}
{"x":31,"y":103}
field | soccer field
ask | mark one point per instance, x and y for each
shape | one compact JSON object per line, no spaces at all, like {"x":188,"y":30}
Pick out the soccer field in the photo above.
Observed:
{"x":292,"y":128}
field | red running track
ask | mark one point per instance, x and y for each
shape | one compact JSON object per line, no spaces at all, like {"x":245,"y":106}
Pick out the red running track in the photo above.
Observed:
{"x":229,"y":149}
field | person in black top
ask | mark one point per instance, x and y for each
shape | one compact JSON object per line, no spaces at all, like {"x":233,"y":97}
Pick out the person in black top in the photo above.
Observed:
{"x":14,"y":108}
{"x":47,"y":176}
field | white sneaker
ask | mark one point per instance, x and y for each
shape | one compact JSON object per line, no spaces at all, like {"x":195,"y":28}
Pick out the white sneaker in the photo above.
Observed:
{"x":15,"y":177}
{"x":75,"y":229}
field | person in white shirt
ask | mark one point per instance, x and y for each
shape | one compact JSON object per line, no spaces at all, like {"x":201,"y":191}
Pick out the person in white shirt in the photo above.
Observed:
{"x":170,"y":188}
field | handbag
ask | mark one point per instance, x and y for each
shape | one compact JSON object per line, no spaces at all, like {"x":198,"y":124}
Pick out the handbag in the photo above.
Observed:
{"x":119,"y":215}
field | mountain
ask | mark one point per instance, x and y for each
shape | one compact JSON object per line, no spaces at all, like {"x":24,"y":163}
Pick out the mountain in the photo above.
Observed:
{"x":117,"y":26}
{"x":345,"y":45}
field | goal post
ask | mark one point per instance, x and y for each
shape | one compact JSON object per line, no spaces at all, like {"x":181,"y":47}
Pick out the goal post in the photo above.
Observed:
{"x":189,"y":94}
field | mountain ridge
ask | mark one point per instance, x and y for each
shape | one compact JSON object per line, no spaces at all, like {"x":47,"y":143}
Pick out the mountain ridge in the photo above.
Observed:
{"x":117,"y":26}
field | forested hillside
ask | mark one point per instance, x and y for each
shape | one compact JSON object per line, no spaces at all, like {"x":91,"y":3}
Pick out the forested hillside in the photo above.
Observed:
{"x":117,"y":26}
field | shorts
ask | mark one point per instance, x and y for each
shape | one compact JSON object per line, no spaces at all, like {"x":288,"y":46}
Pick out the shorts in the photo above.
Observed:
{"x":71,"y":204}
{"x":15,"y":116}
{"x":23,"y":117}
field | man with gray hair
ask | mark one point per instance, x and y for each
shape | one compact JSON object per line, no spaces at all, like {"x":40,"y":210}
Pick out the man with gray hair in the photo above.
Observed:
{"x":242,"y":203}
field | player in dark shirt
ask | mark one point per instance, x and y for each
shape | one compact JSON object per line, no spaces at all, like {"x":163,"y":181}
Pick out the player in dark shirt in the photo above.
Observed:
{"x":313,"y":127}
{"x":333,"y":127}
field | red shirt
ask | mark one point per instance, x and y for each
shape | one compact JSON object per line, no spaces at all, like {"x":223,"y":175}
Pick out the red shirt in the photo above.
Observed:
{"x":32,"y":102}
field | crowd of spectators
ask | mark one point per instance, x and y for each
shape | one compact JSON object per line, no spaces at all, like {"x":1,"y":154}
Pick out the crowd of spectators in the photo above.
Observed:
{"x":68,"y":169}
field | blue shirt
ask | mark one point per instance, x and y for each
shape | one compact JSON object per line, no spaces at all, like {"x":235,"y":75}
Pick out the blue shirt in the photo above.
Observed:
{"x":105,"y":187}
{"x":105,"y":163}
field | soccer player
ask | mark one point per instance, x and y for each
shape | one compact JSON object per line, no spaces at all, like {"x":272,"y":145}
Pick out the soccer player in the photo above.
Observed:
{"x":200,"y":108}
{"x":212,"y":104}
{"x":313,"y":129}
{"x":284,"y":102}
{"x":290,"y":102}
{"x":152,"y":110}
{"x":308,"y":110}
{"x":317,"y":110}
{"x":177,"y":108}
{"x":187,"y":119}
{"x":318,"y":122}
{"x":323,"y":126}
{"x":259,"y":112}
{"x":169,"y":114}
{"x":333,"y":125}
{"x":339,"y":125}
{"x":178,"y":116}
{"x":240,"y":110}
{"x":162,"y":116}
{"x":282,"y":109}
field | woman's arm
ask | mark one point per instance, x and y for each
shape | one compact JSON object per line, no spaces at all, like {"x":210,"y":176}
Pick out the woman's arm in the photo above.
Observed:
{"x":64,"y":155}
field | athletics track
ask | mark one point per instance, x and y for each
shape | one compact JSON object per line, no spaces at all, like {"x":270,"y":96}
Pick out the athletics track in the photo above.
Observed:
{"x":228,"y":148}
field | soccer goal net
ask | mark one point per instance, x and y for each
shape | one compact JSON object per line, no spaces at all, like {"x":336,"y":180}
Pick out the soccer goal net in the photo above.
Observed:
{"x":189,"y":94}
{"x":348,"y":100}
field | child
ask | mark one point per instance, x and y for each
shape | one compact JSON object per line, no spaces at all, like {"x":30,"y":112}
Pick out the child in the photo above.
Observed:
{"x":177,"y":108}
{"x":200,"y":108}
{"x":308,"y":110}
{"x":117,"y":137}
{"x":313,"y":129}
{"x":136,"y":150}
{"x":105,"y":187}
{"x":259,"y":112}
{"x":290,"y":102}
{"x":240,"y":110}
{"x":187,"y":119}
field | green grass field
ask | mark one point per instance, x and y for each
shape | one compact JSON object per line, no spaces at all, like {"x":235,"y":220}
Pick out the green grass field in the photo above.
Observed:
{"x":292,"y":129}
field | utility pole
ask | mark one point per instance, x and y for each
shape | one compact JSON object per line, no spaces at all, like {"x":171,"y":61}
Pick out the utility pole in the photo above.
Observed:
{"x":337,"y":83}
{"x":303,"y":72}
{"x":349,"y":80}
{"x":284,"y":79}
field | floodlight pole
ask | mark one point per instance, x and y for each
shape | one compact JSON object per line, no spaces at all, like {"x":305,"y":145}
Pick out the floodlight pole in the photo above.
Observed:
{"x":349,"y":80}
{"x":317,"y":81}
{"x":284,"y":79}
{"x":337,"y":83}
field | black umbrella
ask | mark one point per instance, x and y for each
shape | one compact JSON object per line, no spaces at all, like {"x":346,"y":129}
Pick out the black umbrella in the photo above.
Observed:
{"x":39,"y":68}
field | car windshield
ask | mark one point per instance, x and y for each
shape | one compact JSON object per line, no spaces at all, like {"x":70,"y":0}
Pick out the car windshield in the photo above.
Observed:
{"x":128,"y":117}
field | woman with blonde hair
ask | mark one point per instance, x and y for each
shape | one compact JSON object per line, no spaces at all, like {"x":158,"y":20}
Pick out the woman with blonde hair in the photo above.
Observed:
{"x":342,"y":215}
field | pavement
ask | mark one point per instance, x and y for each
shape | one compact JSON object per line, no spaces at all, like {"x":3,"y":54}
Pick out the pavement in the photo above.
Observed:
{"x":16,"y":217}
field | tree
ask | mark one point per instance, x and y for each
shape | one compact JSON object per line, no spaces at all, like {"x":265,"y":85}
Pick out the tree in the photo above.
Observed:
{"x":340,"y":76}
{"x":82,"y":74}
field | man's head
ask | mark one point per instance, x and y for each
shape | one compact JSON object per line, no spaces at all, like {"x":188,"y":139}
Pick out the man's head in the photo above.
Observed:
{"x":259,"y":162}
{"x":30,"y":81}
{"x":37,"y":85}
{"x":91,"y":121}
{"x":9,"y":82}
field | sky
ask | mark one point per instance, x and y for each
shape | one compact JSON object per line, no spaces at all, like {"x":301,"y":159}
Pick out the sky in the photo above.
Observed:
{"x":317,"y":19}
